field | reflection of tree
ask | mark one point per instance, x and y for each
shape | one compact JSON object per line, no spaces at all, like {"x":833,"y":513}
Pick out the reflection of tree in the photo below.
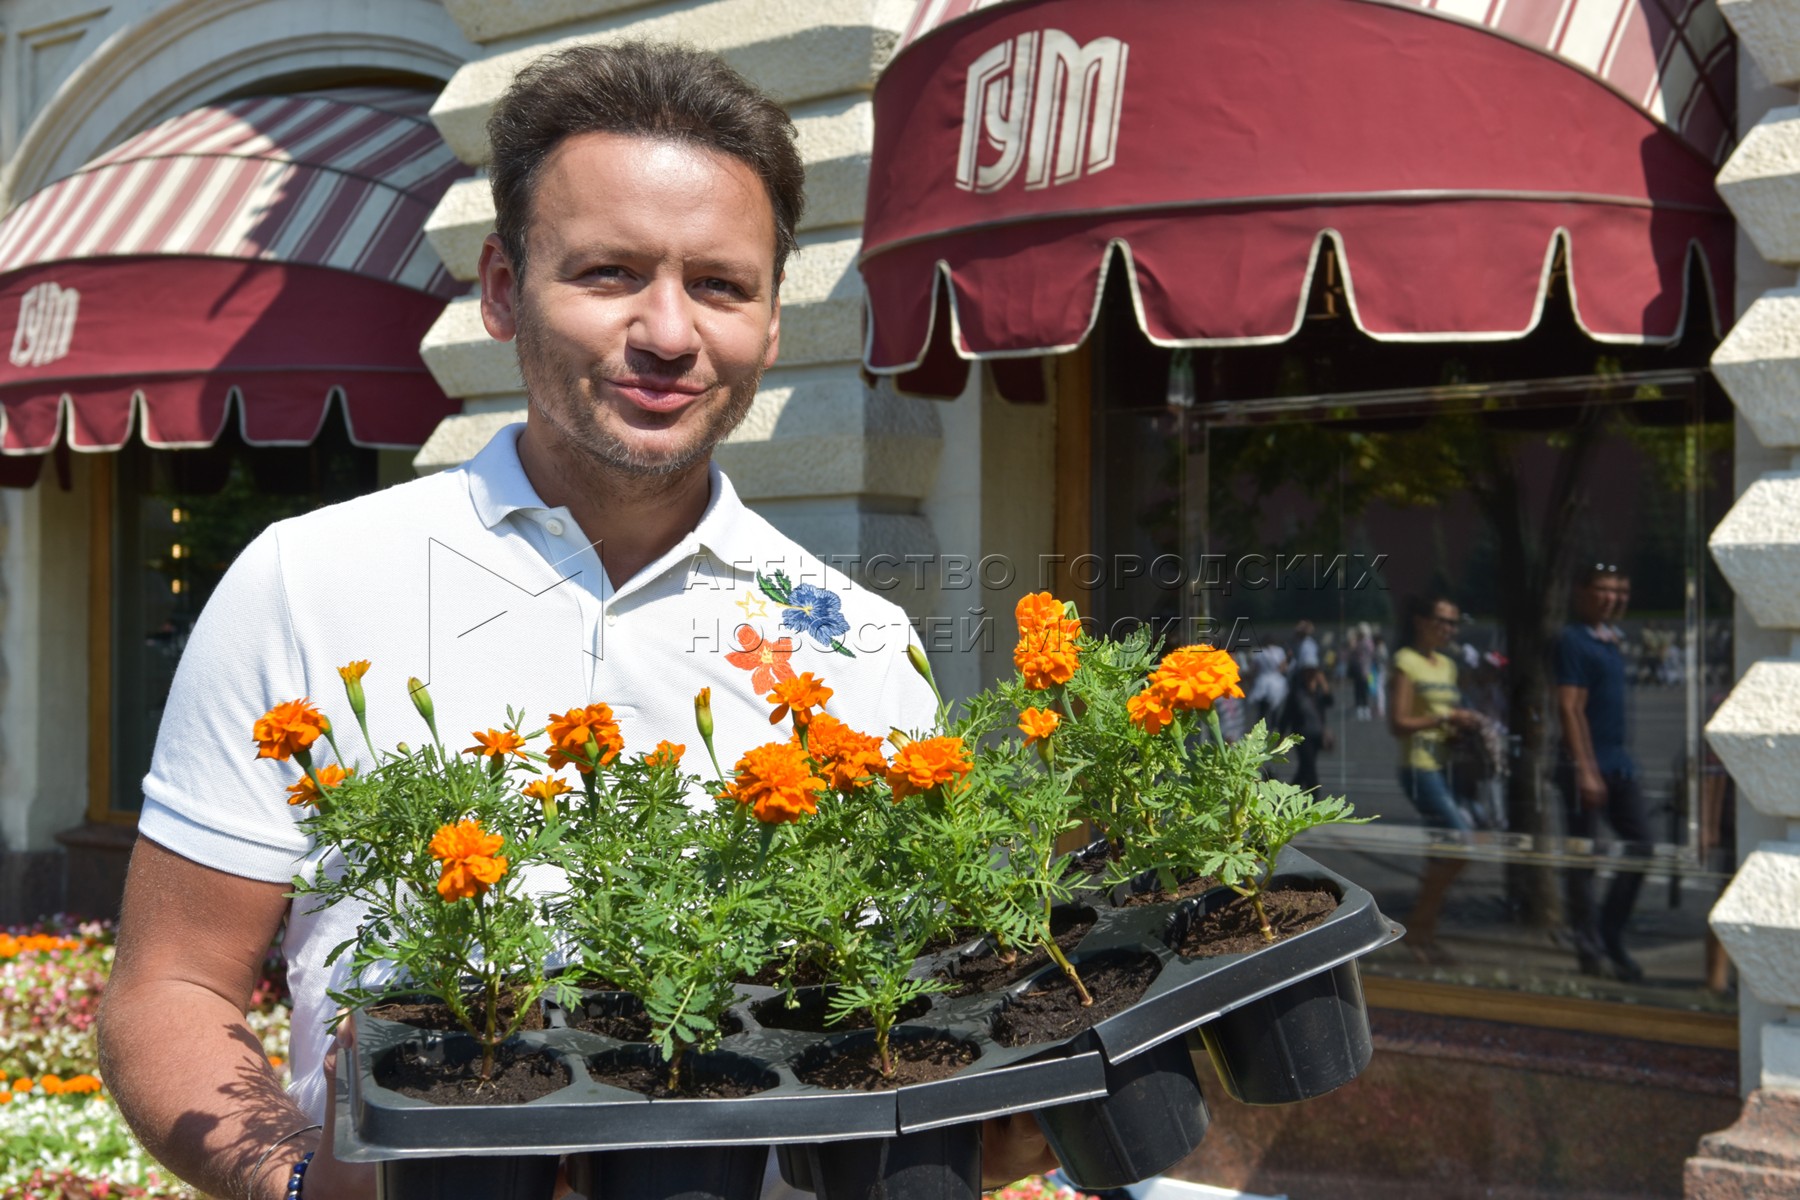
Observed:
{"x":1530,"y":488}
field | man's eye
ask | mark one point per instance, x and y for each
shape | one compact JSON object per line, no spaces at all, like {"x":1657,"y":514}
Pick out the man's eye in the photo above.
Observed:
{"x":721,"y":287}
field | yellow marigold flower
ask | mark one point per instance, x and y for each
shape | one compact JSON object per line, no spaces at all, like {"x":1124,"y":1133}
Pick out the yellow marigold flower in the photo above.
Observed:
{"x":849,"y":760}
{"x":1193,"y":677}
{"x":287,"y":729}
{"x":922,"y":765}
{"x":802,"y":694}
{"x":470,"y":864}
{"x":1038,"y":723}
{"x":331,"y":775}
{"x":571,"y":732}
{"x":1150,"y":710}
{"x":496,"y":743}
{"x":547,"y":788}
{"x":777,"y":782}
{"x":666,"y":754}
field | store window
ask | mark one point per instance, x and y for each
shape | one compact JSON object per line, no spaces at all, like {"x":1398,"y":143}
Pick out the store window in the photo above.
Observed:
{"x":175,"y":520}
{"x":1521,"y":562}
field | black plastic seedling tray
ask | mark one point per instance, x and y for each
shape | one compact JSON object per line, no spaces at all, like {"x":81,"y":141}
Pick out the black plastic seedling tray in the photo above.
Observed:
{"x":1187,"y":994}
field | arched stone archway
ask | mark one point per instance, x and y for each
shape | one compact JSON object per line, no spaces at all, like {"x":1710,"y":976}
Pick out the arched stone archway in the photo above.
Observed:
{"x":160,"y":59}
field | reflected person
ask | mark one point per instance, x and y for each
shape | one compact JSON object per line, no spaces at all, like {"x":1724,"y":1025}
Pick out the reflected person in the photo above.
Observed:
{"x":1594,"y":772}
{"x":1424,"y":707}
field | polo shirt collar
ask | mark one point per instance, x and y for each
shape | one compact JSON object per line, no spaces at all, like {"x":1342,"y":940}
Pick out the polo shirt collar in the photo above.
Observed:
{"x":498,"y":488}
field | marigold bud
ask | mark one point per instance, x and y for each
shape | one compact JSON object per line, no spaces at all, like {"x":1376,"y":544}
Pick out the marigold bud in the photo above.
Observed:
{"x":899,"y":740}
{"x":703,"y":714}
{"x":421,"y":699}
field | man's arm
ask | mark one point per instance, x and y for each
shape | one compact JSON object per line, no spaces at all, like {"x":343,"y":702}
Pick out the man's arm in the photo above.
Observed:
{"x":187,"y":1072}
{"x":1571,"y":705}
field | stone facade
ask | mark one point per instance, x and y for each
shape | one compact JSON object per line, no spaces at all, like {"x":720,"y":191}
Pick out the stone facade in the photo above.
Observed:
{"x":1757,"y":547}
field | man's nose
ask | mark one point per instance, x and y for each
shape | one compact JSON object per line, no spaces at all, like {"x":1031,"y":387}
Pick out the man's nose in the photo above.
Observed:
{"x":663,"y":323}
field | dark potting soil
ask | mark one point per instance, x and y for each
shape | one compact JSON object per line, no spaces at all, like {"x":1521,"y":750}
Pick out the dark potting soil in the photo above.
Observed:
{"x":1232,"y":928}
{"x":776,"y":974}
{"x":1197,"y":886}
{"x":916,"y":1060}
{"x":991,"y":972}
{"x":1052,"y":1011}
{"x":435,"y":1014}
{"x":520,"y":1074}
{"x":956,"y":939}
{"x":810,"y":1017}
{"x":653,"y":1081}
{"x":633,"y":1026}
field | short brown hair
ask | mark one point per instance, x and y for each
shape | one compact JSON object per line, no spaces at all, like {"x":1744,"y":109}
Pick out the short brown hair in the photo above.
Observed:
{"x":644,"y":89}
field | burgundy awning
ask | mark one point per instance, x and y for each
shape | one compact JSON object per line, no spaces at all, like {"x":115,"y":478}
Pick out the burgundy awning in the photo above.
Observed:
{"x":269,"y":251}
{"x":1217,"y":146}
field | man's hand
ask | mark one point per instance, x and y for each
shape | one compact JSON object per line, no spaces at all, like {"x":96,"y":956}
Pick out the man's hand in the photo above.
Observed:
{"x":1592,"y":788}
{"x":1012,"y":1148}
{"x":326,"y":1177}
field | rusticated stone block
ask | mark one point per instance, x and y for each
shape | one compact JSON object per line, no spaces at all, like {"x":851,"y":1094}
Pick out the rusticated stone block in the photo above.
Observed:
{"x":1758,"y":922}
{"x":1757,"y":546}
{"x":1756,"y":1159}
{"x":1760,"y":183}
{"x":1769,"y":31}
{"x":1758,"y":365}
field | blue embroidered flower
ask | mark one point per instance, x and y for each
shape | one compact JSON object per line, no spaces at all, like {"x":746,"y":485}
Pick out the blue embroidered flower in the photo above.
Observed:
{"x":816,"y":613}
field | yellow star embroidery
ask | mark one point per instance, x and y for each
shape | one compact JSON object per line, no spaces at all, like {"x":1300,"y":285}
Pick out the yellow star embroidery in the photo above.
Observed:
{"x":751,"y":598}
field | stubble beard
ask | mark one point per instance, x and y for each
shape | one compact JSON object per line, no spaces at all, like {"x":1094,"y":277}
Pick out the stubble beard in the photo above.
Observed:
{"x":559,"y":395}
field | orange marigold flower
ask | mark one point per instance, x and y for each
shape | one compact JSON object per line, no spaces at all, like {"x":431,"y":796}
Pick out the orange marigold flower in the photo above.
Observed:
{"x":801,"y":694}
{"x":1038,"y":723}
{"x":1046,"y":659}
{"x":287,"y":728}
{"x":1039,"y":610}
{"x":52,"y":1085}
{"x":22,"y":1084}
{"x":666,"y":754}
{"x":5,"y":1094}
{"x":82,"y":1084}
{"x":547,"y":788}
{"x":470,"y":865}
{"x":777,"y":782}
{"x":570,"y":733}
{"x":1195,"y":676}
{"x":331,"y":775}
{"x":497,"y":743}
{"x":922,"y":765}
{"x":354,"y":670}
{"x":849,"y":760}
{"x":1150,"y":710}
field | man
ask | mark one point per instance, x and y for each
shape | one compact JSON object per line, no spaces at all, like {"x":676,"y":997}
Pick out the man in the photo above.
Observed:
{"x":646,"y":199}
{"x":1594,"y":770}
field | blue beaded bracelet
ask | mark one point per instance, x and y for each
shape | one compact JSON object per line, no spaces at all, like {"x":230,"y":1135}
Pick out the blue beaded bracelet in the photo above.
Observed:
{"x":298,"y":1177}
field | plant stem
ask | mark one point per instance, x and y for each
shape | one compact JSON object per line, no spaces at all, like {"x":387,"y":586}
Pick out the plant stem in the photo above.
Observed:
{"x":1268,"y":931}
{"x":882,"y":1029}
{"x":1060,"y":959}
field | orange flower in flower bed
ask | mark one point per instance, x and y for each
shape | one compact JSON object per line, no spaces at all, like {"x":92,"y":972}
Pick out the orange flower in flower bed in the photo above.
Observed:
{"x":1150,"y":710}
{"x":777,"y":782}
{"x":1194,"y":677}
{"x":848,"y":759}
{"x":1038,"y":723}
{"x":570,"y":733}
{"x":802,"y":694}
{"x":80,"y":1085}
{"x":666,"y":754}
{"x":497,"y":743}
{"x":470,"y":865}
{"x":11,"y":946}
{"x":287,"y":729}
{"x":331,"y":775}
{"x":922,"y":765}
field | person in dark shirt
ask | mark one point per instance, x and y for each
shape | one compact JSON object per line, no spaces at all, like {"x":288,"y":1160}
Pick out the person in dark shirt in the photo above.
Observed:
{"x":1303,"y":713}
{"x":1594,"y":771}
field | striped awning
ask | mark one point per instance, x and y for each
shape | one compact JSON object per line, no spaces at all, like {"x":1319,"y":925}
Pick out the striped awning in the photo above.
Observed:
{"x":282,"y":238}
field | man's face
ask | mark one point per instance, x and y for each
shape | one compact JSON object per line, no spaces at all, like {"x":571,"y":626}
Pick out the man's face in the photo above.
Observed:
{"x":647,"y":311}
{"x":1604,"y":598}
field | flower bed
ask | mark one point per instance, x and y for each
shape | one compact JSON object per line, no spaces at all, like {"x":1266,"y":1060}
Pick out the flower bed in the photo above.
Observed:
{"x":61,"y":1136}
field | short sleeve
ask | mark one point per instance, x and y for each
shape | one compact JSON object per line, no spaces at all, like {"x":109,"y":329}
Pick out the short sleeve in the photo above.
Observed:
{"x":1571,"y":664}
{"x":207,"y":796}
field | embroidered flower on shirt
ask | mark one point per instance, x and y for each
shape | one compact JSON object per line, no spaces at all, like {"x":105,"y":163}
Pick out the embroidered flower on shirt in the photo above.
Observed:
{"x":809,"y":610}
{"x":767,"y":661}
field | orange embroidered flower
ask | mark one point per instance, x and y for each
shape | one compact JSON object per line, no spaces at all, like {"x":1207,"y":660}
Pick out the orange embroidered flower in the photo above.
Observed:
{"x":288,"y":729}
{"x":802,"y":695}
{"x":497,"y":743}
{"x":849,"y":760}
{"x":922,"y":765}
{"x":777,"y":782}
{"x":470,"y":865}
{"x":547,"y":788}
{"x":331,"y":775}
{"x":1038,"y":723}
{"x":1150,"y":710}
{"x":1193,"y":677}
{"x":571,"y":732}
{"x":666,"y":754}
{"x":766,"y":661}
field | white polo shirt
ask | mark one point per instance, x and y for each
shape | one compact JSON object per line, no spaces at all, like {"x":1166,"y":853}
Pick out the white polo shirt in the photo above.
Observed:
{"x":468,"y":581}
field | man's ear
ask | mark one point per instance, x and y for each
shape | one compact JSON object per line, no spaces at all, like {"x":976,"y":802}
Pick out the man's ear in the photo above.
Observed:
{"x":774,"y":325}
{"x":499,"y":290}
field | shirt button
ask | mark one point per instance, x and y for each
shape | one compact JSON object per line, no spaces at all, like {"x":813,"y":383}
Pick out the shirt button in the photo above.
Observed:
{"x":612,"y":618}
{"x":553,"y":527}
